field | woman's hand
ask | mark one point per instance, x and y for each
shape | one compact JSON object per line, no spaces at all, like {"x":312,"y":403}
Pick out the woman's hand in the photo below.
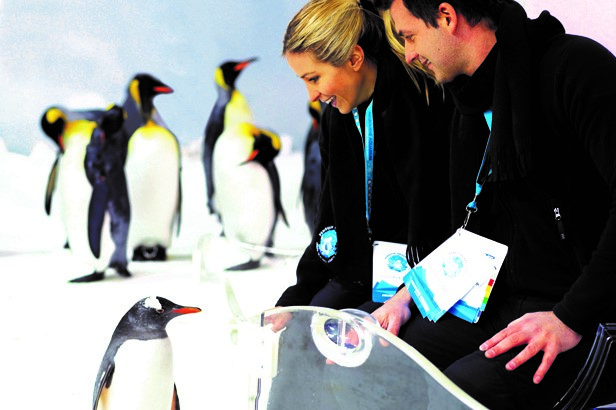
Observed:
{"x":395,"y":312}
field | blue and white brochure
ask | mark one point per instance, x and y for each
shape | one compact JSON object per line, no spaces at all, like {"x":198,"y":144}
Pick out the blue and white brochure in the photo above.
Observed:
{"x":389,"y":266}
{"x":459,"y":270}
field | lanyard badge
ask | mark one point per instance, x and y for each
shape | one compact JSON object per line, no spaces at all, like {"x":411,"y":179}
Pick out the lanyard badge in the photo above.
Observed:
{"x":482,"y":175}
{"x":368,"y":143}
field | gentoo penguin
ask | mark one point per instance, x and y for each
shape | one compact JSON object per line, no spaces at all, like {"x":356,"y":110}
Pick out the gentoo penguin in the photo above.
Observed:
{"x":153,"y":166}
{"x":311,"y":179}
{"x":72,"y":188}
{"x":104,"y":167}
{"x":137,"y":369}
{"x":230,"y":108}
{"x":248,"y":193}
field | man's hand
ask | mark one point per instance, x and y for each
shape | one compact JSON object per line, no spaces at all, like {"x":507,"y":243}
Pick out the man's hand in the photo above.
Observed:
{"x":395,"y":312}
{"x":540,"y":331}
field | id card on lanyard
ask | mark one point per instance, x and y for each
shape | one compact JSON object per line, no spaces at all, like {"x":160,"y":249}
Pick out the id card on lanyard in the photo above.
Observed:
{"x":368,"y":142}
{"x":458,"y":276}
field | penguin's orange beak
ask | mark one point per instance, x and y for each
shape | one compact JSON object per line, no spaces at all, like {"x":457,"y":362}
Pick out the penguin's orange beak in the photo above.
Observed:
{"x":186,"y":310}
{"x":163,"y":90}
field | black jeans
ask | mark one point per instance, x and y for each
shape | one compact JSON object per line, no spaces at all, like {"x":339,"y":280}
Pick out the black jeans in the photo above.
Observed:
{"x":340,"y":294}
{"x":452,"y":344}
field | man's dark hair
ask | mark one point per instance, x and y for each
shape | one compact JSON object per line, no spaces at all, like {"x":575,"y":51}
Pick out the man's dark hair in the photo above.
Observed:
{"x":473,"y":10}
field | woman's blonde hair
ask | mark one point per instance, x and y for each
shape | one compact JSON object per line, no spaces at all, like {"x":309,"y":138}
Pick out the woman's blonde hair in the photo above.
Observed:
{"x":396,"y":43}
{"x":330,"y":29}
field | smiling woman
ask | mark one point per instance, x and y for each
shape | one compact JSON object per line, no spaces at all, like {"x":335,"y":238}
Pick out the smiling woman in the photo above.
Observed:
{"x":378,"y":137}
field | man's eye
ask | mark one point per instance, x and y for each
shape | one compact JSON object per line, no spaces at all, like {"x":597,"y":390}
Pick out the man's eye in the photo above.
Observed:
{"x":313,"y":79}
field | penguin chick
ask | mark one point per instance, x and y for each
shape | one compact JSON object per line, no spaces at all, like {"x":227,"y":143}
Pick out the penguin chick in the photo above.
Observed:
{"x":136,"y":371}
{"x":230,"y":108}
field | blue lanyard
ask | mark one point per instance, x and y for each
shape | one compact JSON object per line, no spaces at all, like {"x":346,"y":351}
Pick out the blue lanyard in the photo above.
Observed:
{"x":471,"y":208}
{"x":368,"y":156}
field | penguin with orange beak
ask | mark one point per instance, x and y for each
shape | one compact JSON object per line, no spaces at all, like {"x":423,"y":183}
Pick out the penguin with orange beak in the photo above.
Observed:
{"x":137,"y":369}
{"x":229,"y":109}
{"x":153,"y":171}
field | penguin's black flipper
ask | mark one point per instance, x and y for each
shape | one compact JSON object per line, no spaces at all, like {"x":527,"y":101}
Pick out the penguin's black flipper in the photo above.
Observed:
{"x":175,"y":405}
{"x":96,"y":216}
{"x":178,"y":210}
{"x":51,"y":184}
{"x":103,"y":382}
{"x":272,"y":171}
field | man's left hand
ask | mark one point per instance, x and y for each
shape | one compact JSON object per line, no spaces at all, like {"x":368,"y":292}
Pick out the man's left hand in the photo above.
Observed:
{"x":540,"y":331}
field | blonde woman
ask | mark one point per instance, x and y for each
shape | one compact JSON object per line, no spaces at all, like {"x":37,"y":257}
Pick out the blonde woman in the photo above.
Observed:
{"x":384,"y":152}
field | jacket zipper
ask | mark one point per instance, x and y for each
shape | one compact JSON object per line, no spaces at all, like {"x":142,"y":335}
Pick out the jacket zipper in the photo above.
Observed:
{"x":563,"y":237}
{"x":559,"y":223}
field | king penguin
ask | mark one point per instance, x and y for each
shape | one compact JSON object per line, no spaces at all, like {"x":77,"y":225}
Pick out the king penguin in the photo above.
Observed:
{"x":153,"y":171}
{"x":136,"y":371}
{"x":104,"y":167}
{"x":311,"y":179}
{"x":54,"y":123}
{"x":229,"y":109}
{"x":73,"y":191}
{"x":248,"y":193}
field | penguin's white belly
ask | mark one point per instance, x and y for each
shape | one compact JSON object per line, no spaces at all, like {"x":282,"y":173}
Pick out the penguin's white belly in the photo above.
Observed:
{"x":75,"y":192}
{"x":152,"y":175}
{"x":143,"y":377}
{"x":244,"y":194}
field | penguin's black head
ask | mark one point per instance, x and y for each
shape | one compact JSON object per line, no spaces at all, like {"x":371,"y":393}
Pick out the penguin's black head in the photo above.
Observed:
{"x":151,"y":314}
{"x":266,"y":145}
{"x":112,"y":120}
{"x":143,"y":88}
{"x":53,"y":122}
{"x":230,"y":70}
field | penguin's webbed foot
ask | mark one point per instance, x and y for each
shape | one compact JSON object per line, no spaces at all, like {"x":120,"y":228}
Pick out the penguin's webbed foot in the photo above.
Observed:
{"x":251,"y":264}
{"x":120,"y":269}
{"x":92,"y":277}
{"x":150,"y":253}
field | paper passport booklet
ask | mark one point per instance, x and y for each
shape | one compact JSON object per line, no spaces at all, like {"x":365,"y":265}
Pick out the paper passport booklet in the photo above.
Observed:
{"x":457,"y":276}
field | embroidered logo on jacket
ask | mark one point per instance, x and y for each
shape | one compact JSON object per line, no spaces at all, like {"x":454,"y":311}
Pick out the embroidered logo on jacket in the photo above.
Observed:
{"x":328,"y":244}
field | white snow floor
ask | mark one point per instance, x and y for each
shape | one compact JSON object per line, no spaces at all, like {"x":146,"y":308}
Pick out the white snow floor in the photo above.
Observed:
{"x":54,"y":333}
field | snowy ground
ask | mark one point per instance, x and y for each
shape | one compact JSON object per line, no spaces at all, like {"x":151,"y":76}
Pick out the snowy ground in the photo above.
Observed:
{"x":55,"y":333}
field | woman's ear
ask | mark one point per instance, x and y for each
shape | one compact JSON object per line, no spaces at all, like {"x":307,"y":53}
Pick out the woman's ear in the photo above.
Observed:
{"x":357,"y":57}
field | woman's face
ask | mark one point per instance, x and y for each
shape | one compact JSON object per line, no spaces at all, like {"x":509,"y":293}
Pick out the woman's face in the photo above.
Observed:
{"x":343,"y":87}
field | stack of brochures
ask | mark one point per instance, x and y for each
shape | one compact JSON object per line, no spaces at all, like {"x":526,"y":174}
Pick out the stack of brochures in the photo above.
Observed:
{"x":457,"y":277}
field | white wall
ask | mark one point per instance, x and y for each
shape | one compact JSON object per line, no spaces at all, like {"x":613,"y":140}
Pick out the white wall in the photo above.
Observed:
{"x":590,"y":18}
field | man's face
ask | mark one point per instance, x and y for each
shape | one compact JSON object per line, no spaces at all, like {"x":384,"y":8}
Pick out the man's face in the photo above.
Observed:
{"x":431,"y":46}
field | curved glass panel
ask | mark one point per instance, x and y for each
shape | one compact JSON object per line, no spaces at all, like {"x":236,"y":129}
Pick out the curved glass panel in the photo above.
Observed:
{"x":316,"y":358}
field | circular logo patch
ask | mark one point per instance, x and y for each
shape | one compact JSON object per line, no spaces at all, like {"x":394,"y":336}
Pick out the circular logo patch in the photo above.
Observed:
{"x":397,"y":262}
{"x":453,"y":264}
{"x":328,"y":244}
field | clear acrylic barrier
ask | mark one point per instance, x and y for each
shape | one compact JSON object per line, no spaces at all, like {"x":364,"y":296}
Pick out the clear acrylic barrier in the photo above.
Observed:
{"x":316,"y":358}
{"x":300,"y":358}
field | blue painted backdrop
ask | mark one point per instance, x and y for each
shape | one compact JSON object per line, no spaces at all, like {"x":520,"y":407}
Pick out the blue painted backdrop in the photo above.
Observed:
{"x":83,"y":53}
